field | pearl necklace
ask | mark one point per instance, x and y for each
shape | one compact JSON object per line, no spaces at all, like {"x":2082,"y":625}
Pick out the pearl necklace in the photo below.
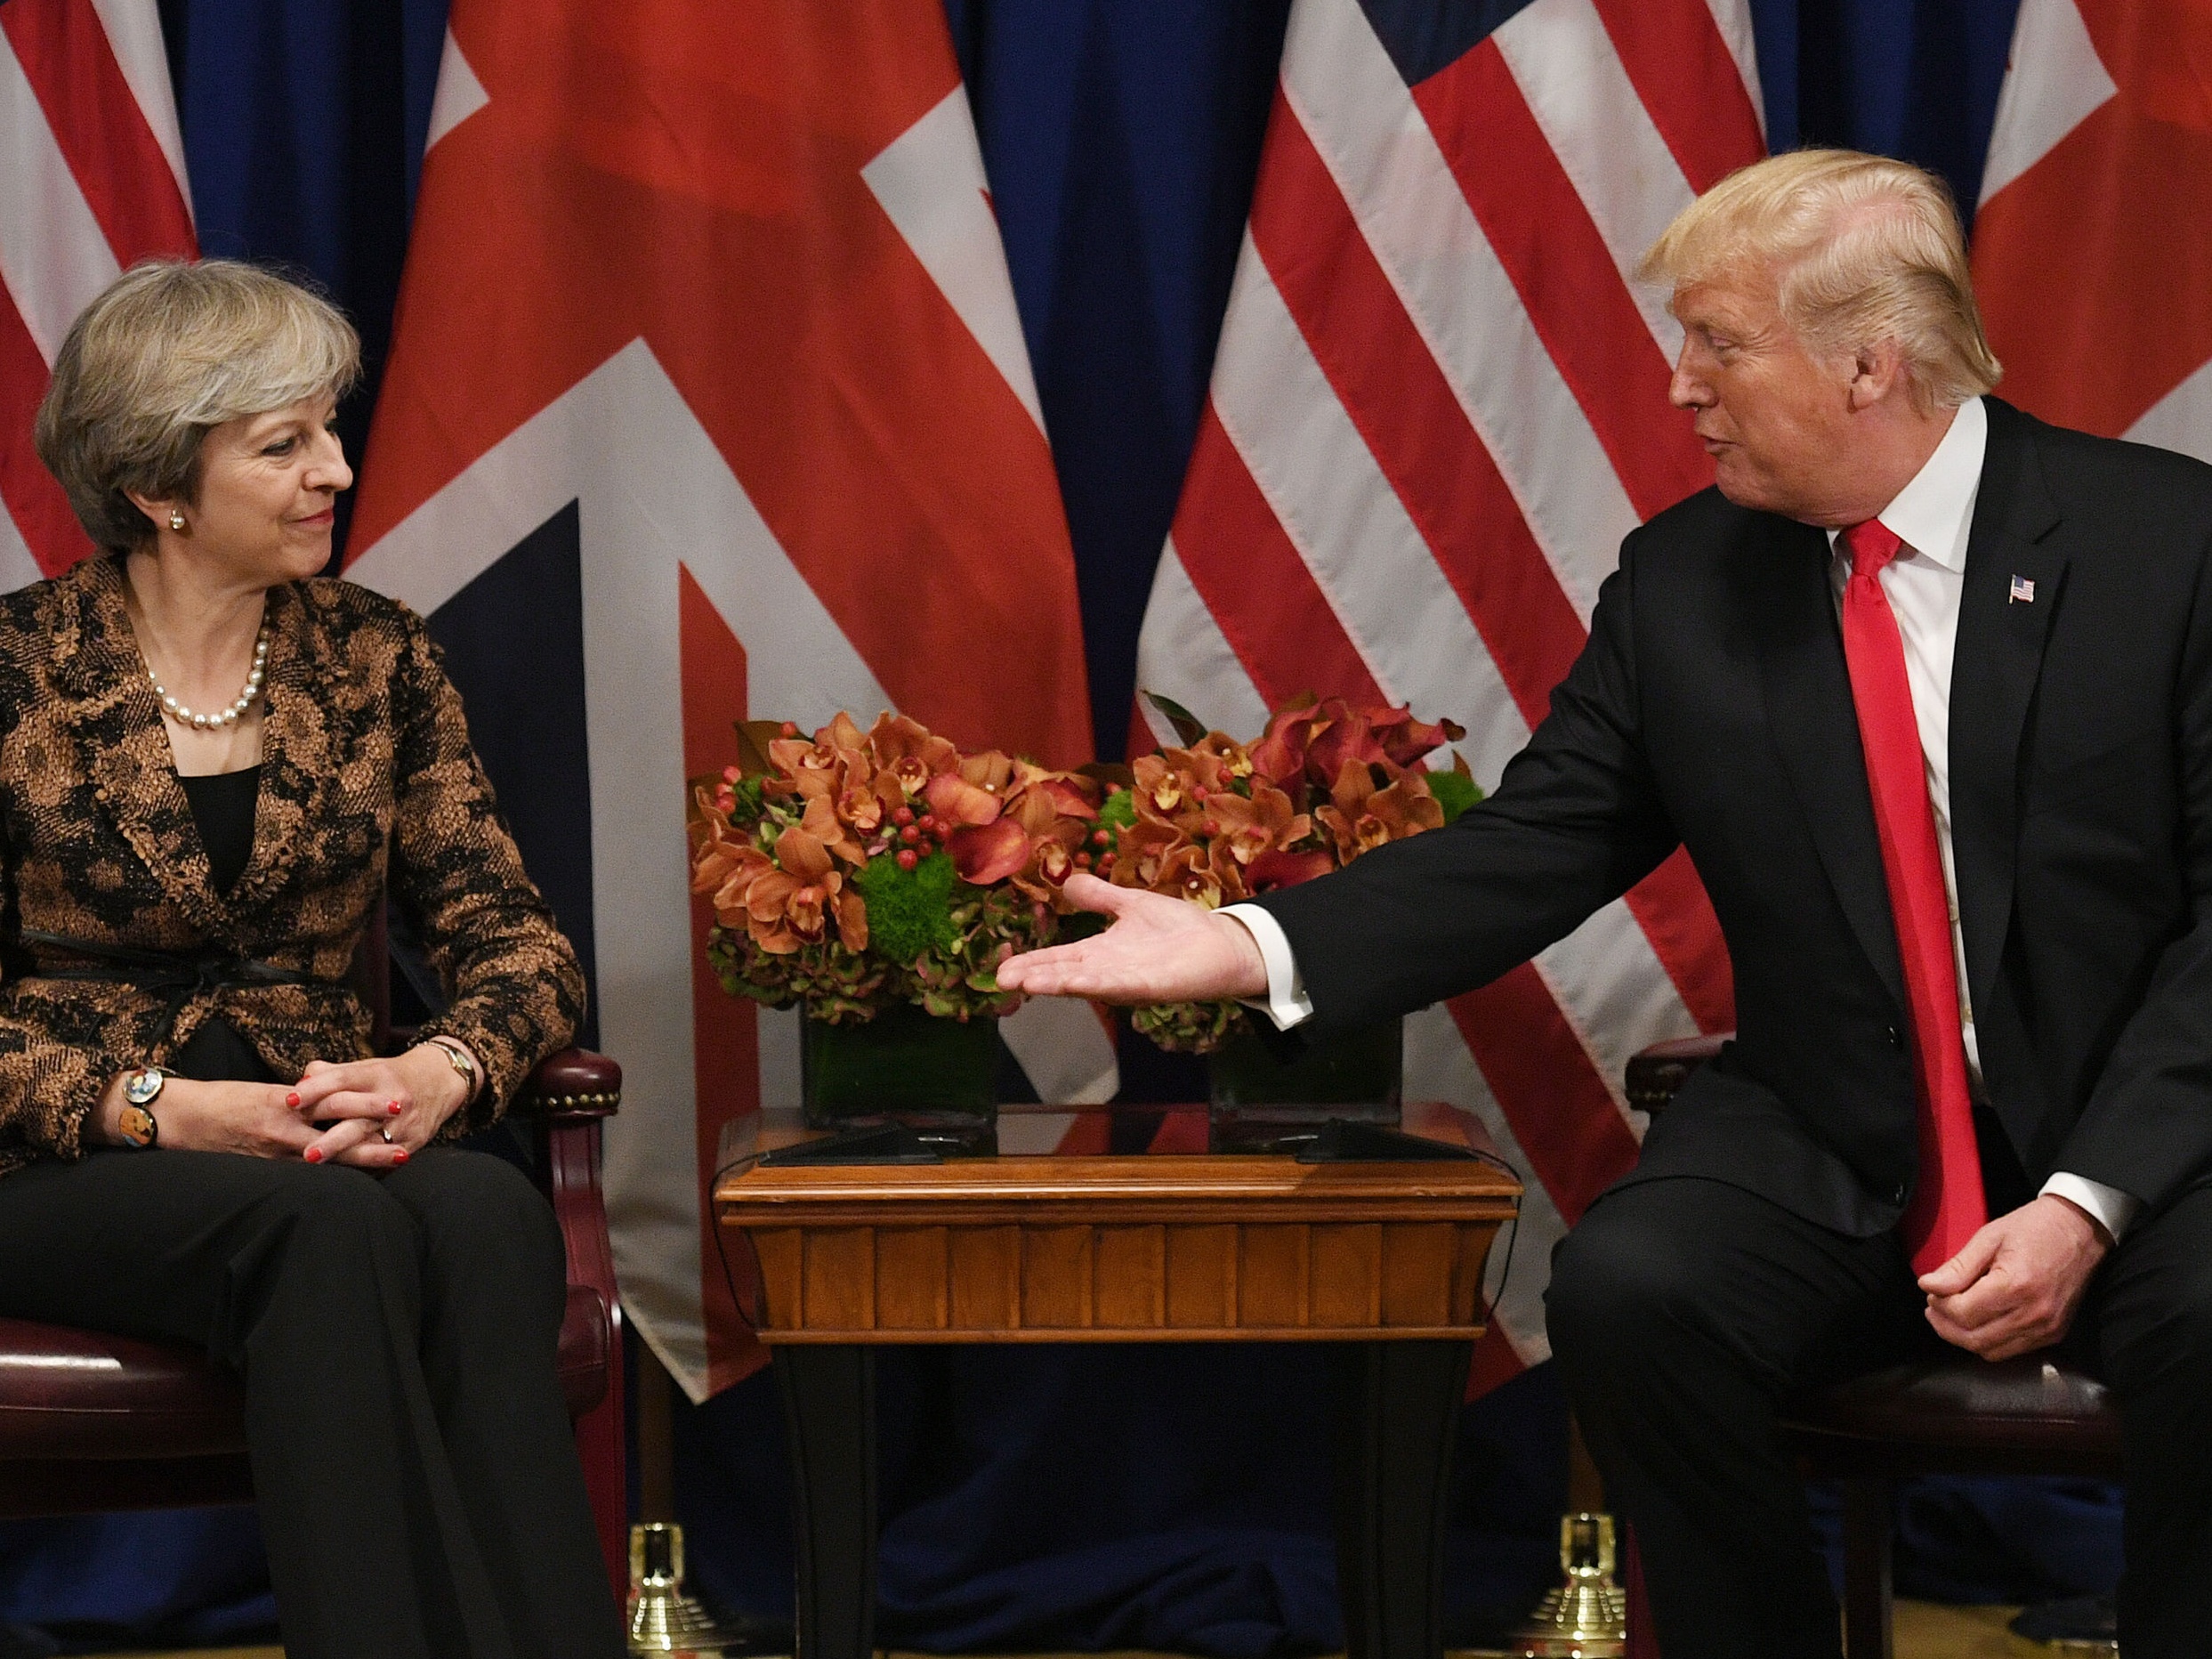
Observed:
{"x":182,"y":715}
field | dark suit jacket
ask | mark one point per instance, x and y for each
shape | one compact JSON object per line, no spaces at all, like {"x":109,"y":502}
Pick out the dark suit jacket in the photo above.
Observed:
{"x":367,"y":779}
{"x":1712,"y":707}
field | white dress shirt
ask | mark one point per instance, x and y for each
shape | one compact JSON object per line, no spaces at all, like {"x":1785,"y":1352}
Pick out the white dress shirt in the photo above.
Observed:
{"x":1934,"y":515}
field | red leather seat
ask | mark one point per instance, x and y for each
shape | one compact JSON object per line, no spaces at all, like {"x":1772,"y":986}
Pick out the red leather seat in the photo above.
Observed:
{"x":2039,"y":1414}
{"x":66,"y":1393}
{"x":1947,"y":1414}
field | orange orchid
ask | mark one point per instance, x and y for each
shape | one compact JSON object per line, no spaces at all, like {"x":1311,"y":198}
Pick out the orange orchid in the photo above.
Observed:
{"x":895,"y":741}
{"x":1361,"y":817}
{"x":1052,"y":859}
{"x":823,"y":822}
{"x":1260,"y":824}
{"x":722,"y":865}
{"x":792,"y":902}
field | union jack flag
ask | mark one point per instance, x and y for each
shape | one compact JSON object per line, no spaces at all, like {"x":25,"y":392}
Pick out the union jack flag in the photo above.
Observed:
{"x":1439,"y":403}
{"x":94,"y":182}
{"x":2093,"y":247}
{"x":712,"y":291}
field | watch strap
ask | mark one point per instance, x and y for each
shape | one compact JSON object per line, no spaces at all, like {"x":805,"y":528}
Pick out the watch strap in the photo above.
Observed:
{"x":458,"y":1059}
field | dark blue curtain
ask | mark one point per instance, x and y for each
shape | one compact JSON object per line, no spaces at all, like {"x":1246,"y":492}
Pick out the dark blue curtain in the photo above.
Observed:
{"x":1167,"y":1498}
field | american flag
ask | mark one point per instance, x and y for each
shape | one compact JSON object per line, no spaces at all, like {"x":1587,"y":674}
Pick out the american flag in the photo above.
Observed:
{"x":706,"y":320}
{"x":1438,"y":405}
{"x":2093,"y":247}
{"x":94,"y":182}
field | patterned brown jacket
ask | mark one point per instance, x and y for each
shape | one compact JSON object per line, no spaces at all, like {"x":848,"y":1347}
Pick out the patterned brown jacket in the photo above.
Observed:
{"x":367,"y":777}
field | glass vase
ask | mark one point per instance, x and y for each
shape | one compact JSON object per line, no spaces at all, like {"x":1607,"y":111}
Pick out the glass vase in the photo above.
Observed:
{"x":903,"y":1066}
{"x":1258,"y":1101}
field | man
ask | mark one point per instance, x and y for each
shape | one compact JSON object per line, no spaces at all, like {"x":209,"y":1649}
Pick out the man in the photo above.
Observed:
{"x":1926,"y":688}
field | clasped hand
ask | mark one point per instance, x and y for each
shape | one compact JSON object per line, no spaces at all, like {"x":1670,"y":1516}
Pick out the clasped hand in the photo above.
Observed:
{"x":369,"y":1114}
{"x":2017,"y":1284}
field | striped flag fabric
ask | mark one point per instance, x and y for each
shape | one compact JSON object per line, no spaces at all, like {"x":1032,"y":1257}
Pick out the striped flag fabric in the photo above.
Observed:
{"x":95,"y":182}
{"x":712,"y":291}
{"x":2093,"y":244}
{"x":1438,"y":405}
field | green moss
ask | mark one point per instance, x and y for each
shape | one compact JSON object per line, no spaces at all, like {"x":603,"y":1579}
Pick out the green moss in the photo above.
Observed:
{"x":1119,"y":810}
{"x":909,"y":912}
{"x":1454,"y":792}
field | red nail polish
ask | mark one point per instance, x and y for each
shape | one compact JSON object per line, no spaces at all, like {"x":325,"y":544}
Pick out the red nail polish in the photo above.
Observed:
{"x":399,"y":1156}
{"x":313,"y":1154}
{"x":391,"y":1108}
{"x":292,"y":1099}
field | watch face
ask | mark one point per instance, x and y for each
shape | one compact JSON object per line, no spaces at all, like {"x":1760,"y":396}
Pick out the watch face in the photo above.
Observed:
{"x":142,"y":1086}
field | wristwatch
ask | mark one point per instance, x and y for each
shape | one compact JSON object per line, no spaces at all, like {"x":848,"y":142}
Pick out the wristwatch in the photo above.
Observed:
{"x":140,"y":1089}
{"x":457,"y":1057}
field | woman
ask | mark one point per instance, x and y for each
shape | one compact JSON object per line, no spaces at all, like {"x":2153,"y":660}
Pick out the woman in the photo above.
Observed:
{"x":212,"y":765}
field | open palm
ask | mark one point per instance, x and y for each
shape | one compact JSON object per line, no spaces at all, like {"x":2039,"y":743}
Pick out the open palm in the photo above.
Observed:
{"x":1158,"y":950}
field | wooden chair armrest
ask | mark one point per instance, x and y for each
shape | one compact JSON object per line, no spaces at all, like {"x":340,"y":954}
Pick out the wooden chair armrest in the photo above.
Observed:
{"x":574,"y":1085}
{"x":1655,"y":1075}
{"x":563,"y":1102}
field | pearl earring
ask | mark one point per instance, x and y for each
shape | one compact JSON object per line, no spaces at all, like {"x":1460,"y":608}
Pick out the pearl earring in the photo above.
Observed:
{"x":177,"y":518}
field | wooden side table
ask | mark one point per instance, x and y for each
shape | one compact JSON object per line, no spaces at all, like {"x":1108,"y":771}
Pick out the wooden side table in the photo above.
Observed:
{"x":1385,"y":1261}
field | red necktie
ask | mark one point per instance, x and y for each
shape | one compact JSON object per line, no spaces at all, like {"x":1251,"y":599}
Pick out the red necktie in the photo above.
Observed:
{"x":1948,"y":1206}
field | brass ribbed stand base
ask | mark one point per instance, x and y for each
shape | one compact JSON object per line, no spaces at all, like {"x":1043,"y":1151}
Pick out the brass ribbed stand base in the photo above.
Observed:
{"x":663,"y":1619}
{"x":1587,"y":1618}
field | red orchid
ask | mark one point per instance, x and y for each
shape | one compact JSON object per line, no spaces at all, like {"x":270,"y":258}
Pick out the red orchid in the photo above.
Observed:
{"x":1270,"y":871}
{"x":991,"y":852}
{"x":1313,"y":741}
{"x":955,"y":800}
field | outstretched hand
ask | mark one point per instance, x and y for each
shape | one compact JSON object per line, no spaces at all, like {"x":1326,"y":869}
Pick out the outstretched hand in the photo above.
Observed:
{"x":1158,"y":950}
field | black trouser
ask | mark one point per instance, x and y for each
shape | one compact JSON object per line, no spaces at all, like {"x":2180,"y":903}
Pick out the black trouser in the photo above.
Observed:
{"x":1684,"y":1313}
{"x":416,"y":1475}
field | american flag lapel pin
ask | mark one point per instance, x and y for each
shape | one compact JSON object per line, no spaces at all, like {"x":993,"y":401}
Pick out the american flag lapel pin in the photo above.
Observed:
{"x":2023,"y":591}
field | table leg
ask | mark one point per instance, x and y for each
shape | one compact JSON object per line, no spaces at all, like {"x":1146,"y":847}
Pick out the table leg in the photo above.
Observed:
{"x":829,"y":1422}
{"x":1397,"y":1411}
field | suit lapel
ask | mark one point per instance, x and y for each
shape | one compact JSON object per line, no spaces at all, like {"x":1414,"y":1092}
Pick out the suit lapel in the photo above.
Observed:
{"x":122,"y":748}
{"x":1994,"y":667}
{"x":297,"y":763}
{"x":1816,"y":728}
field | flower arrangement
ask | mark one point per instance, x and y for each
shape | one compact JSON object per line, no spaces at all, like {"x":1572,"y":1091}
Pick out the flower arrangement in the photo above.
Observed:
{"x":859,"y":871}
{"x":1215,"y":821}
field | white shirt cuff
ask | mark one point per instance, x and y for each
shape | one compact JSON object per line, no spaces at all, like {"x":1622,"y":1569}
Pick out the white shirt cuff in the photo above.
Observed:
{"x":2112,"y":1209}
{"x":1286,"y":1003}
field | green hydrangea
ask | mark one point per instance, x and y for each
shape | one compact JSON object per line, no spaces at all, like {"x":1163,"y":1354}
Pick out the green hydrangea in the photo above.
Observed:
{"x":1189,"y":1027}
{"x":909,"y":912}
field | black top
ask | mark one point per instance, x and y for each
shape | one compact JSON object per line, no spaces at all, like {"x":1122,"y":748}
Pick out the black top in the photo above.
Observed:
{"x":223,"y":806}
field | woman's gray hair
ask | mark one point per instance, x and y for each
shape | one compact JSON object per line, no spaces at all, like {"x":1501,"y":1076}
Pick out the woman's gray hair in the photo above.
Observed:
{"x":1863,"y":249}
{"x":167,"y":353}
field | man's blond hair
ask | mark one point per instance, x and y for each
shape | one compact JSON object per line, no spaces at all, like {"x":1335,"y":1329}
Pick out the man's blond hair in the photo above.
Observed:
{"x":167,"y":352}
{"x":1861,"y":249}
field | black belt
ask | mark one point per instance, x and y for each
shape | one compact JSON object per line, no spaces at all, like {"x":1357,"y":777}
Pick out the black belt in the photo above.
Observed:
{"x":182,"y":973}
